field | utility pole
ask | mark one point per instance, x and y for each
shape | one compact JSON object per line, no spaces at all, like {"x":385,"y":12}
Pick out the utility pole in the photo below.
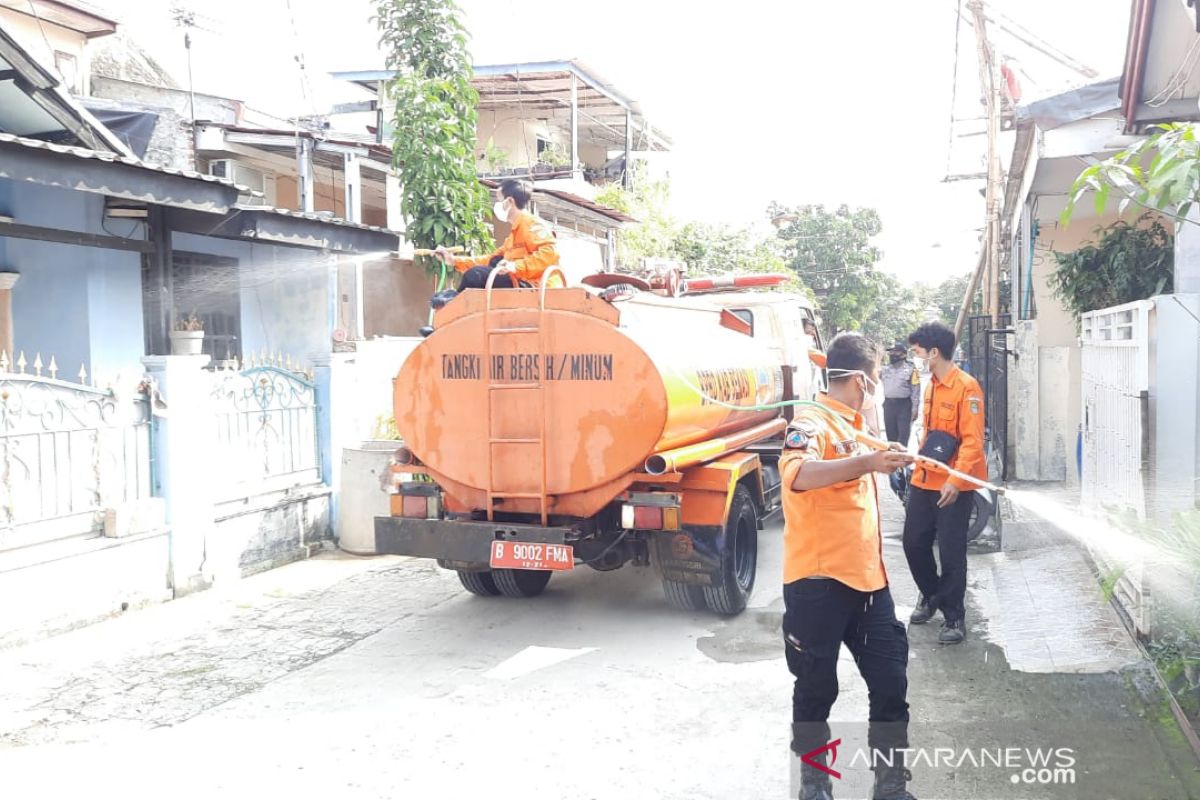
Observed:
{"x":989,"y":80}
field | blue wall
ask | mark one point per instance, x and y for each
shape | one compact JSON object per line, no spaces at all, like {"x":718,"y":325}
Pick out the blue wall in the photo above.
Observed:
{"x":284,"y":295}
{"x":81,"y":304}
{"x":84,"y":304}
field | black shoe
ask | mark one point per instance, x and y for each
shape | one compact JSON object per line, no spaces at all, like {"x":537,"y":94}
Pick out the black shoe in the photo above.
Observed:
{"x":891,"y":784}
{"x":443,"y":297}
{"x":923,"y":612}
{"x":953,"y":632}
{"x":425,"y":330}
{"x":815,"y":784}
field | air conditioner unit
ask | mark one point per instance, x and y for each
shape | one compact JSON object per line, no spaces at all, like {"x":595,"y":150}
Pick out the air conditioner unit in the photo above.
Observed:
{"x":254,"y":179}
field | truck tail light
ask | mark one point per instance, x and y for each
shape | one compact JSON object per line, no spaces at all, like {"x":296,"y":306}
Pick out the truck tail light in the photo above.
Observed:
{"x":419,"y":500}
{"x":651,"y":512}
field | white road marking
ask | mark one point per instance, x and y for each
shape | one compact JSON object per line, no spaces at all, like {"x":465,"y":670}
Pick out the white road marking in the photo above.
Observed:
{"x":533,"y":658}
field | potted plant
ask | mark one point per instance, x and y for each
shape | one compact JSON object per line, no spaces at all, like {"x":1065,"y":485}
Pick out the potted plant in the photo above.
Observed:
{"x":188,"y":337}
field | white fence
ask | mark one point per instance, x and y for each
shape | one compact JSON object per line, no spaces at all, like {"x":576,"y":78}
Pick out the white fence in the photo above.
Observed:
{"x":265,"y":430}
{"x":68,"y":453}
{"x":1115,"y":392}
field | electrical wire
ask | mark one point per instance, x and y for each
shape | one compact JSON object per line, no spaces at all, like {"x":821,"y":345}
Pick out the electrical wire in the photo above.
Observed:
{"x":953,"y":88}
{"x":46,"y":39}
{"x":1180,"y":77}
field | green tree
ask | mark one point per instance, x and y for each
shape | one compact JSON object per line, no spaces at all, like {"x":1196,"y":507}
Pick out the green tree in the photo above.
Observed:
{"x":898,"y":312}
{"x":1127,"y":263}
{"x":832,"y":253}
{"x":713,"y":249}
{"x":947,"y":297}
{"x":433,"y":137}
{"x":653,"y":235}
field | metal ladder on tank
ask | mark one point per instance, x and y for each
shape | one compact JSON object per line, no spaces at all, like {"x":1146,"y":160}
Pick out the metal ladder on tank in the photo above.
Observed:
{"x":537,"y":388}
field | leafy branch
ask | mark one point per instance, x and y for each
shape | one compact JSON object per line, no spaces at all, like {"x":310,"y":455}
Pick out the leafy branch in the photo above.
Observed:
{"x":1168,"y":184}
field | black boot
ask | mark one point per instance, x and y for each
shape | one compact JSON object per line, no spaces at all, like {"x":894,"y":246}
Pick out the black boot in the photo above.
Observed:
{"x":425,"y":330}
{"x":815,"y":784}
{"x":954,"y":631}
{"x":924,"y":611}
{"x":443,"y":297}
{"x":891,"y":783}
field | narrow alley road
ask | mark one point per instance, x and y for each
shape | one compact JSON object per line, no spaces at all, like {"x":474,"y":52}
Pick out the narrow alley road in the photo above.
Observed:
{"x":380,"y":678}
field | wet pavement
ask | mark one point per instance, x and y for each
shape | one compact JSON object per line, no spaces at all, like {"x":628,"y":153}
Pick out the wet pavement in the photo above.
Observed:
{"x":381,"y":678}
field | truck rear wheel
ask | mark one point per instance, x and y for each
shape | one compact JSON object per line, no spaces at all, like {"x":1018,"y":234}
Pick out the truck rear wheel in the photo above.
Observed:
{"x":521,"y":582}
{"x":683,"y":596}
{"x":734,"y":581}
{"x":480,"y":583}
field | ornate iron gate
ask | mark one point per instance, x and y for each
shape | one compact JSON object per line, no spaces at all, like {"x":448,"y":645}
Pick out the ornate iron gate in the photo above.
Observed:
{"x":68,"y":452}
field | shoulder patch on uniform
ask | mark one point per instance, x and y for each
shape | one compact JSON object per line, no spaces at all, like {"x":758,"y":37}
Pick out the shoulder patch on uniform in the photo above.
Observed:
{"x":796,"y":439}
{"x":975,"y":403}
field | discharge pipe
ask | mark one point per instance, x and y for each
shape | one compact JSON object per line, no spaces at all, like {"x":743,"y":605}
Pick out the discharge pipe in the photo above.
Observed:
{"x":682,"y":457}
{"x":932,"y":463}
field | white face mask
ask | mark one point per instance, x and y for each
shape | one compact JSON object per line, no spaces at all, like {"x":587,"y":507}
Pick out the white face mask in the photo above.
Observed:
{"x":868,"y":385}
{"x":500,"y":210}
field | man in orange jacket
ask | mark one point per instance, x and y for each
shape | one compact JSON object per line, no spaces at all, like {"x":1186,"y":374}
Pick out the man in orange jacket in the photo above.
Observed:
{"x":835,"y":585}
{"x":529,"y":249}
{"x":939,"y":507}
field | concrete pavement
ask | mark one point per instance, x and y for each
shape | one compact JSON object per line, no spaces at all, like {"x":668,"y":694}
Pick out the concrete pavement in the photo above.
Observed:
{"x":380,"y":678}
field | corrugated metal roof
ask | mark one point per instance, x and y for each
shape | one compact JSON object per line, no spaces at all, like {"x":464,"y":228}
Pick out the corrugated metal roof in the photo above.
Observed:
{"x":567,"y":197}
{"x":96,"y":155}
{"x":313,"y":217}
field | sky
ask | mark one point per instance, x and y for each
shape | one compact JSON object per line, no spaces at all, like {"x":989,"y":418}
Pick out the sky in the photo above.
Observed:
{"x":794,"y":101}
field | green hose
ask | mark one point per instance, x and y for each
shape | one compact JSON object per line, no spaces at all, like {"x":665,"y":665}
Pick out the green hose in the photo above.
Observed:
{"x":441,"y":285}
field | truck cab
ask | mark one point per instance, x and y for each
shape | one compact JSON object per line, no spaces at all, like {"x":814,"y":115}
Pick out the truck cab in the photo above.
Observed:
{"x":777,"y":320}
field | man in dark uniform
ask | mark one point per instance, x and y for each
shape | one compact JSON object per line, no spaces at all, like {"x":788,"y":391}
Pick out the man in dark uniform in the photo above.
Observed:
{"x":901,"y":394}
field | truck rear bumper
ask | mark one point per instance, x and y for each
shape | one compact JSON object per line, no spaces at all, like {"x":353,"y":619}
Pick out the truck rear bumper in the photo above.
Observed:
{"x":460,"y":541}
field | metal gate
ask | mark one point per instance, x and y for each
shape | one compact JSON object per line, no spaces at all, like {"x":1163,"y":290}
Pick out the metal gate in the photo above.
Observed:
{"x":1115,"y":387}
{"x":995,"y":395}
{"x":1115,"y":372}
{"x":975,"y":342}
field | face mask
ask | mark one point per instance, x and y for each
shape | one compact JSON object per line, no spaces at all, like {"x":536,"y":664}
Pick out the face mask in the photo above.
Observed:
{"x":869,"y":387}
{"x":500,"y":210}
{"x":896,"y":359}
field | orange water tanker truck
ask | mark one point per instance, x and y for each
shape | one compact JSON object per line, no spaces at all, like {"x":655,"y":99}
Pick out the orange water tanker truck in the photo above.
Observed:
{"x":553,"y":429}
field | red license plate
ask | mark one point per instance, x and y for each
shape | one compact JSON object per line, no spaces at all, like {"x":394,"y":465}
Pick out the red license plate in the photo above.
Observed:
{"x":532,"y":555}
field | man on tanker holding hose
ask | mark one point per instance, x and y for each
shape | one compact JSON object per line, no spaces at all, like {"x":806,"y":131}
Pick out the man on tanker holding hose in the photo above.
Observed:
{"x":528,"y":251}
{"x":835,"y":585}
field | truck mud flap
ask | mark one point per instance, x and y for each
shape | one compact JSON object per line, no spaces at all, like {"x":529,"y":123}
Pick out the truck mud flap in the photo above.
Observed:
{"x":460,"y":541}
{"x":689,"y":556}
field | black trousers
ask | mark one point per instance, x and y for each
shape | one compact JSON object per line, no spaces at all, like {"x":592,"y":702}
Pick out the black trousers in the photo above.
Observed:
{"x":923,"y":523}
{"x":820,"y":616}
{"x":476,"y":278}
{"x":897,"y":418}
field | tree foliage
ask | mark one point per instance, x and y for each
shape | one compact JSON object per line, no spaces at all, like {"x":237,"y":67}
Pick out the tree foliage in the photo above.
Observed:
{"x":646,"y":201}
{"x":434,"y":121}
{"x":947,"y":298}
{"x":713,"y":249}
{"x":1127,"y":263}
{"x":1160,"y":172}
{"x":895,"y":315}
{"x":832,"y":253}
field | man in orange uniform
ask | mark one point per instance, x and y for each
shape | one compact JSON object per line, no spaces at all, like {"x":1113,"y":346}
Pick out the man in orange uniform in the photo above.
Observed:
{"x":939,"y":507}
{"x":835,"y":585}
{"x":529,"y":249}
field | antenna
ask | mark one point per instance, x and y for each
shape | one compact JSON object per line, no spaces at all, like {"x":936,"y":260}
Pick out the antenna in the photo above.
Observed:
{"x":185,"y":18}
